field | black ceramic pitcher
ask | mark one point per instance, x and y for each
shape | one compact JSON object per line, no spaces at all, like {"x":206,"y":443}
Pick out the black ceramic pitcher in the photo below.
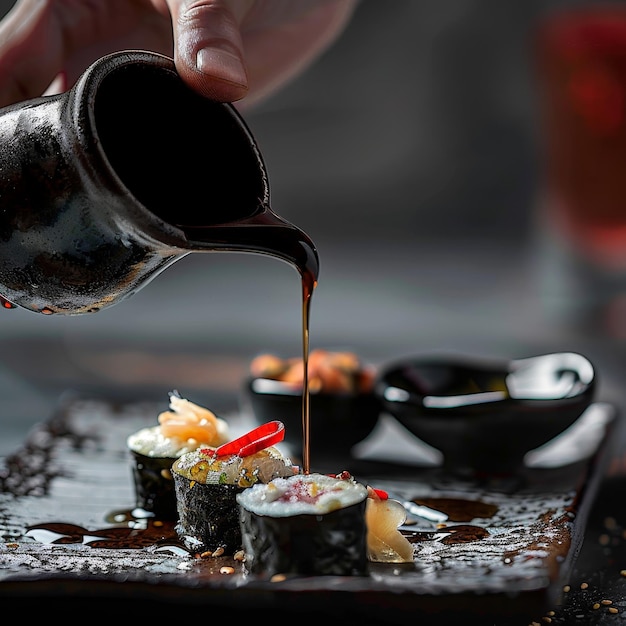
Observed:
{"x":106,"y":185}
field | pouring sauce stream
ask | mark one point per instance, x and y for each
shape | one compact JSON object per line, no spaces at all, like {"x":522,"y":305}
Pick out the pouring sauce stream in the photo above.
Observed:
{"x":268,"y":233}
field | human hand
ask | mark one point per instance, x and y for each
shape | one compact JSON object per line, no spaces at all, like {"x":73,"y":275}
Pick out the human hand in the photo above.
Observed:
{"x":226,"y":50}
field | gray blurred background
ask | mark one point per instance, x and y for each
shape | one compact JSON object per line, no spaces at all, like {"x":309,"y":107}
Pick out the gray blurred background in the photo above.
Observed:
{"x":409,"y":153}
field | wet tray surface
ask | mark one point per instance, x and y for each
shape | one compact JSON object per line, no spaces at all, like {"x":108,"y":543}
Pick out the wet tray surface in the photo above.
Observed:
{"x":68,"y":527}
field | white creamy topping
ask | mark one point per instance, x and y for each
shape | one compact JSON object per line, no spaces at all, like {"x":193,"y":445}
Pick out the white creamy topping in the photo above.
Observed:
{"x":302,"y":494}
{"x":151,"y":442}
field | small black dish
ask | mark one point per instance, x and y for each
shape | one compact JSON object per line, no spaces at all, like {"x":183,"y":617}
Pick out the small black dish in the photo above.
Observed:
{"x":338,"y":421}
{"x":484,"y":414}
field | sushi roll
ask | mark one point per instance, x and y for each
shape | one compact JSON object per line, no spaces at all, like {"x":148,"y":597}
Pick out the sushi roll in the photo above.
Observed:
{"x":207,"y":481}
{"x":306,"y":524}
{"x":153,"y":449}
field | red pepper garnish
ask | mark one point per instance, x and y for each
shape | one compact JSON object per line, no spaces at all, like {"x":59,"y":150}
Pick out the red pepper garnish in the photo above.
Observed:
{"x":383,"y":495}
{"x":256,"y":440}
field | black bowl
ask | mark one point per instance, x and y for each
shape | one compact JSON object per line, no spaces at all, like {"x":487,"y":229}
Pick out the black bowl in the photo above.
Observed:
{"x":338,"y":421}
{"x":484,"y":415}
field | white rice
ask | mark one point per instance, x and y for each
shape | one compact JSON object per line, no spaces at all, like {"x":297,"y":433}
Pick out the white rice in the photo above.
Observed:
{"x":151,"y":442}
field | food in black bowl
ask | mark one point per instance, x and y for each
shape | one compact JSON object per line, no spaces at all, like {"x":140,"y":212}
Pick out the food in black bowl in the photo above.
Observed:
{"x":483,"y":414}
{"x":343,"y":407}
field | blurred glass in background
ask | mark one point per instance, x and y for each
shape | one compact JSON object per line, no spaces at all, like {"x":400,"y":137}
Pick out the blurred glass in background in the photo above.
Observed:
{"x":581,"y":77}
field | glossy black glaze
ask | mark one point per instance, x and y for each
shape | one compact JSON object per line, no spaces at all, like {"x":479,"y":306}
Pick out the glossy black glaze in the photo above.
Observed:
{"x":483,"y":414}
{"x":337,"y":421}
{"x":106,"y":185}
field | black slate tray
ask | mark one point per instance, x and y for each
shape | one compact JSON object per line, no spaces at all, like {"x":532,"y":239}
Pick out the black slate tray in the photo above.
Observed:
{"x":70,"y":535}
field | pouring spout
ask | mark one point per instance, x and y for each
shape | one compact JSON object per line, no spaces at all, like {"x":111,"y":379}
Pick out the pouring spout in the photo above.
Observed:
{"x":263,"y":233}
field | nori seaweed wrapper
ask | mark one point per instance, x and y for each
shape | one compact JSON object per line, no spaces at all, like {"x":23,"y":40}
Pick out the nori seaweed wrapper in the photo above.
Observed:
{"x":334,"y":543}
{"x":154,"y":485}
{"x":208,"y":515}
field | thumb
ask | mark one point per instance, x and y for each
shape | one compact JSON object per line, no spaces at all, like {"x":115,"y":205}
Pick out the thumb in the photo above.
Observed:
{"x":208,"y":50}
{"x":27,"y":32}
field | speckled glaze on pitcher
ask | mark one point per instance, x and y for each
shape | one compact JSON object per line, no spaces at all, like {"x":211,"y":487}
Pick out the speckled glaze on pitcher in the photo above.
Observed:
{"x":106,"y":185}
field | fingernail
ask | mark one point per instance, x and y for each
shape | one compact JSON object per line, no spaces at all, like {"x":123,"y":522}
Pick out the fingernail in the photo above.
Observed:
{"x":221,"y":64}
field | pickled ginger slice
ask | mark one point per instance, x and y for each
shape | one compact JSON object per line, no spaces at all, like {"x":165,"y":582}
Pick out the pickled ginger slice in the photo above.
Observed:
{"x":385,"y":542}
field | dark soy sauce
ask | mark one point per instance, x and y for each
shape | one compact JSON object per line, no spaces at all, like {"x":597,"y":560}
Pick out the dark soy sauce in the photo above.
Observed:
{"x":307,"y":292}
{"x":283,"y":241}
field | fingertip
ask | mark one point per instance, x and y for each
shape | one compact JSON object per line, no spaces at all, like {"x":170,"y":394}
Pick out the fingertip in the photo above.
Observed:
{"x":209,"y":52}
{"x":215,"y":89}
{"x":222,"y":64}
{"x":218,"y":74}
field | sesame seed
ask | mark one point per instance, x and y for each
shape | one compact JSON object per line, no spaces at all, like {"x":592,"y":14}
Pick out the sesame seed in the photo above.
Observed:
{"x":227,"y":569}
{"x":566,"y":589}
{"x":584,"y":585}
{"x":277,"y":578}
{"x":596,"y":605}
{"x":613,"y":610}
{"x":606,"y":602}
{"x":219,"y":551}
